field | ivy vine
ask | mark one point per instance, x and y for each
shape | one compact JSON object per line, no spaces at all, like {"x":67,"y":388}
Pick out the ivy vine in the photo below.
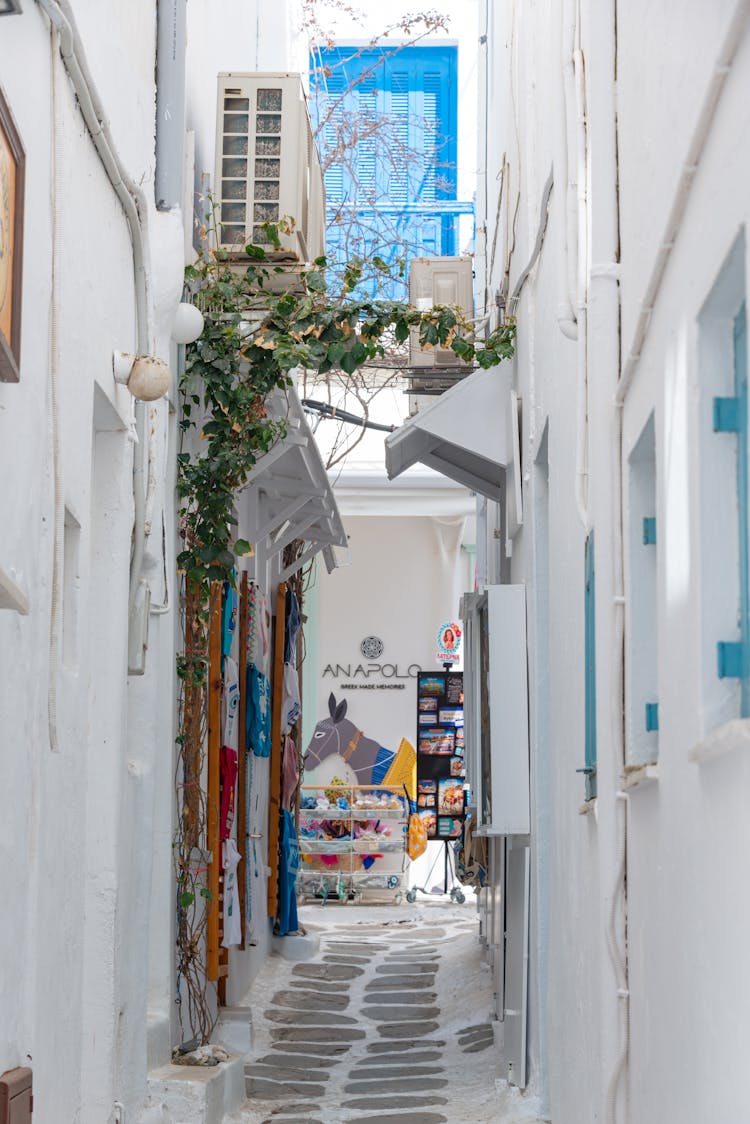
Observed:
{"x":262,"y":319}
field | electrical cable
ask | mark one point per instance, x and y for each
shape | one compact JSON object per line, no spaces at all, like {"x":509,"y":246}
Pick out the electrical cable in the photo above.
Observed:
{"x":334,"y":413}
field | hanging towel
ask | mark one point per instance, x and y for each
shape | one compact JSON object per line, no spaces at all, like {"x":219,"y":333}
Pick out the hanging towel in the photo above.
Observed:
{"x":288,"y":867}
{"x":232,"y":922}
{"x":230,"y":702}
{"x":228,"y":766}
{"x":258,"y":719}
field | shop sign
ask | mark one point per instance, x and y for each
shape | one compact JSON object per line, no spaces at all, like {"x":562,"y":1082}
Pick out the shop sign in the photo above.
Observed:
{"x":448,"y":642}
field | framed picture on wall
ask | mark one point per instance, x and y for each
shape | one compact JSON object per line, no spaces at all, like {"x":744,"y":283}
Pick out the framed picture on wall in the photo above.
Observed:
{"x":12,"y":169}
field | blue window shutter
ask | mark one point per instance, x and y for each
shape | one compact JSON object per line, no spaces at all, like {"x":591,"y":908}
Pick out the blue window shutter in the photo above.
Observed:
{"x":590,"y":669}
{"x":652,"y":717}
{"x":649,"y":531}
{"x":730,"y":416}
{"x":740,"y":390}
{"x":416,"y":91}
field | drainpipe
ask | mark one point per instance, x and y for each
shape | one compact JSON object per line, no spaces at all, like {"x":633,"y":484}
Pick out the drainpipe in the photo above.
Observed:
{"x":578,"y":199}
{"x":133,"y":202}
{"x":170,"y":102}
{"x":565,"y":189}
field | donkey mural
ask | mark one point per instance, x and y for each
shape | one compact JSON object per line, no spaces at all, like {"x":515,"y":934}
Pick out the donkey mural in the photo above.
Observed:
{"x":339,"y":750}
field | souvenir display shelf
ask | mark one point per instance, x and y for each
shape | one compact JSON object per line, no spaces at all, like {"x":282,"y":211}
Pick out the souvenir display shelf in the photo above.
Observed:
{"x":341,"y":827}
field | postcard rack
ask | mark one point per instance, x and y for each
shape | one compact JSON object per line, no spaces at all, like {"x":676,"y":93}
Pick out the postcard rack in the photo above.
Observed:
{"x":352,"y":841}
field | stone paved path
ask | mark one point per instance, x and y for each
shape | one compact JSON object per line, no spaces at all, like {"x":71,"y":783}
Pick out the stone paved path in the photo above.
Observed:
{"x":389,"y":1022}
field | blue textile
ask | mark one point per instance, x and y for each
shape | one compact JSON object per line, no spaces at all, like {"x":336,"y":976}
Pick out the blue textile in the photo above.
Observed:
{"x":383,"y":762}
{"x":288,"y":867}
{"x":258,"y":717}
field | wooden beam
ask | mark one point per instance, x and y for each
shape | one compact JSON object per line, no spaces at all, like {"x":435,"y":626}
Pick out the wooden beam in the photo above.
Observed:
{"x":213,"y":844}
{"x":242,"y":840}
{"x":274,"y":803}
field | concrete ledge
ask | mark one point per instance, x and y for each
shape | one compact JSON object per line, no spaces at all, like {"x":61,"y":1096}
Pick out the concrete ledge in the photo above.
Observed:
{"x":639,"y":776}
{"x":296,"y":946}
{"x":12,"y":596}
{"x":235,"y":1029}
{"x":198,"y":1094}
{"x":732,"y":735}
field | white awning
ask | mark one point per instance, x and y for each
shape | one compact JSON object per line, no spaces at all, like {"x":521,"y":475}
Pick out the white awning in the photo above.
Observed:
{"x":470,"y":434}
{"x":289,"y":494}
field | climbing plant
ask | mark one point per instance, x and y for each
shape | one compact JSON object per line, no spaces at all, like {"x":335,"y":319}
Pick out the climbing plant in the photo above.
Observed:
{"x":264,"y":318}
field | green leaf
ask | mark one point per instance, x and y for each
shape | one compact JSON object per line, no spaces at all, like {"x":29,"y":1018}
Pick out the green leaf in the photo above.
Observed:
{"x":401,"y":330}
{"x":186,"y":899}
{"x":257,"y":253}
{"x":242,"y":547}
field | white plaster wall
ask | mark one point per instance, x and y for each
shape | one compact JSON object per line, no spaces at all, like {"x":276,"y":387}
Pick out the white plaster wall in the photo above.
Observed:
{"x":236,"y":35}
{"x":687,"y":834}
{"x":76,"y":842}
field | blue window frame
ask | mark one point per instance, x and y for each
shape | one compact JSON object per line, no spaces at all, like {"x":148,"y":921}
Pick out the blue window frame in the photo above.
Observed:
{"x":730,"y":416}
{"x":390,"y":192}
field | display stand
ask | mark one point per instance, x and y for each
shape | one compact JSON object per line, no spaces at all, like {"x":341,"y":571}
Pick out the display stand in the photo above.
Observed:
{"x":440,"y":766}
{"x":340,"y":828}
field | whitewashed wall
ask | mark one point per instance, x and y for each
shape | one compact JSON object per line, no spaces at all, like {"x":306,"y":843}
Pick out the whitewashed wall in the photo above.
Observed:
{"x":686,"y":833}
{"x":77,"y":823}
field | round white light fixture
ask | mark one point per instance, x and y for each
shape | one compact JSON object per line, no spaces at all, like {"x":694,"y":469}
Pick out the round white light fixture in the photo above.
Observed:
{"x":188,"y":323}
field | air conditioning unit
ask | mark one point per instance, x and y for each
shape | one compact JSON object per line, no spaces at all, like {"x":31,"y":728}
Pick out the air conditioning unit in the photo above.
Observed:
{"x":439,"y":281}
{"x":267,"y":165}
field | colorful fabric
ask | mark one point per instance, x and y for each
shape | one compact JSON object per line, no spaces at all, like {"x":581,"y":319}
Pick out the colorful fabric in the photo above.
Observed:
{"x":290,"y":700}
{"x":228,"y":618}
{"x":288,"y":867}
{"x":230,"y":704}
{"x":417,"y":837}
{"x":291,"y":627}
{"x":403,"y":770}
{"x":289,"y":772}
{"x":228,"y":766}
{"x":232,"y":919}
{"x":258,"y":718}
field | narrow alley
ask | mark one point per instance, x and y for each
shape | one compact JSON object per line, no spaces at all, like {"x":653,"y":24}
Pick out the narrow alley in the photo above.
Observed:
{"x":390,"y":1020}
{"x":374,"y":562}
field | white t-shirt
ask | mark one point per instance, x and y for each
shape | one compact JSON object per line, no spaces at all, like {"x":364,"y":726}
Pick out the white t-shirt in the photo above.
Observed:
{"x":232,"y":922}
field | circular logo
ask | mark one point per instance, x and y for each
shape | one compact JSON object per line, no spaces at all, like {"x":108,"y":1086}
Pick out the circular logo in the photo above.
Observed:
{"x":372,"y":647}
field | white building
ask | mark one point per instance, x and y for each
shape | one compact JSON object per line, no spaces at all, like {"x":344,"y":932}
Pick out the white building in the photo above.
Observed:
{"x":613,"y":212}
{"x":94,"y":115}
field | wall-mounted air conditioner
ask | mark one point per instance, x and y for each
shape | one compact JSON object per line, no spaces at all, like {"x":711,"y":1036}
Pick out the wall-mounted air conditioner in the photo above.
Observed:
{"x":267,"y":164}
{"x":439,"y":281}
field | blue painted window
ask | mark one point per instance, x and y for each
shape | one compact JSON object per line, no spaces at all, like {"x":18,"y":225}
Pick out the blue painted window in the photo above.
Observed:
{"x":590,"y":670}
{"x":730,"y":416}
{"x":740,"y":390}
{"x":386,"y":127}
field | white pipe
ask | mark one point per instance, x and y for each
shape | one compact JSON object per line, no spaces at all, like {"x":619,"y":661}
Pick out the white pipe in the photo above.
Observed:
{"x":134,"y":205}
{"x":58,"y":521}
{"x":619,"y":961}
{"x":730,"y":43}
{"x":566,"y":202}
{"x":581,"y":202}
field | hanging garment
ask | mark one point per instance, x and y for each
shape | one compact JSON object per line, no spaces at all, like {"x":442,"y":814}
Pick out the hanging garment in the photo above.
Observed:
{"x":232,"y":920}
{"x":230,"y":703}
{"x":289,"y":772}
{"x":258,"y":718}
{"x":291,"y":627}
{"x":228,"y":766}
{"x":290,"y":700}
{"x":228,"y":618}
{"x":258,"y":630}
{"x":288,"y":867}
